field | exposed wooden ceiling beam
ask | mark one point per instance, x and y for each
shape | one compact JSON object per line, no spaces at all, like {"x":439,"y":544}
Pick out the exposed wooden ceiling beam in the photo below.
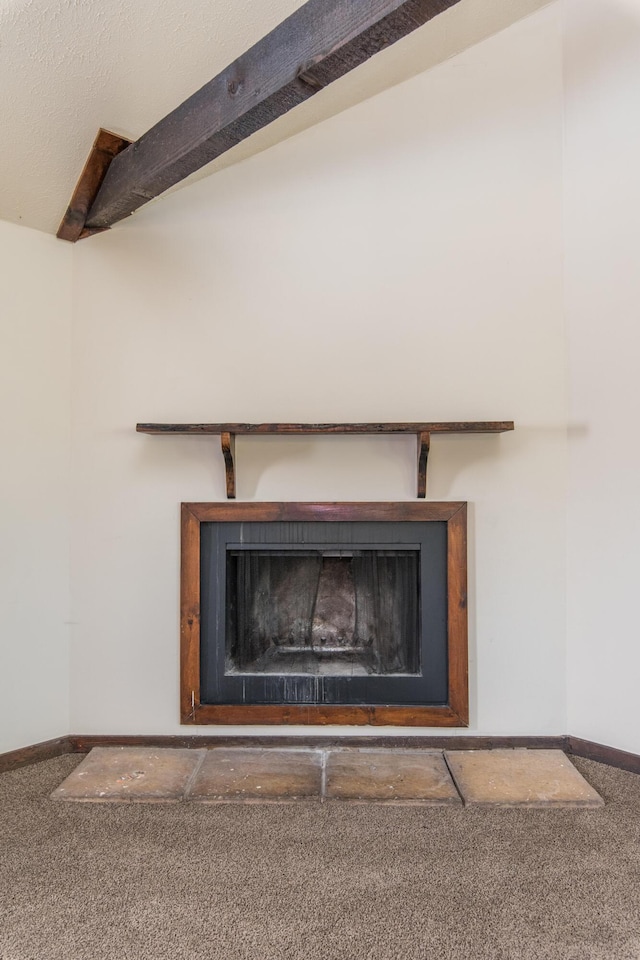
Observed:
{"x":316,"y":45}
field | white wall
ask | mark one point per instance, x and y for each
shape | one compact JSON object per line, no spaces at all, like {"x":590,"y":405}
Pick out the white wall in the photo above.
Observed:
{"x":35,"y":311}
{"x":602,"y":217}
{"x":401,"y":261}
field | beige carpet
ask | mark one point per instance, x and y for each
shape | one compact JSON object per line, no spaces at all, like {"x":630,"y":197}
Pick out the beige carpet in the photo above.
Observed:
{"x":328,"y":882}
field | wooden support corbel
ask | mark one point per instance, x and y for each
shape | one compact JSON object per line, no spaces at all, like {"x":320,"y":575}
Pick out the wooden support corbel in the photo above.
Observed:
{"x":424,"y":442}
{"x":228,"y":444}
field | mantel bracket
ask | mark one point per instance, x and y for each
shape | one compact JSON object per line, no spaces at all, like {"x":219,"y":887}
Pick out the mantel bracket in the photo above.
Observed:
{"x":228,"y":444}
{"x":424,"y":442}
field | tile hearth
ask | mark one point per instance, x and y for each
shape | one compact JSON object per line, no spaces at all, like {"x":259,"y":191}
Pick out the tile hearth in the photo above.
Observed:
{"x":520,"y":777}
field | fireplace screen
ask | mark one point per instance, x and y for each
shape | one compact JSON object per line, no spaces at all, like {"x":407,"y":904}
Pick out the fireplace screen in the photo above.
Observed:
{"x":322,"y":612}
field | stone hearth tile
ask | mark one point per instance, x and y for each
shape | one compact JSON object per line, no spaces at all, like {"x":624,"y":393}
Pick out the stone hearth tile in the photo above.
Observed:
{"x":245,"y":773}
{"x":522,"y":778}
{"x":395,"y":776}
{"x":131,"y":773}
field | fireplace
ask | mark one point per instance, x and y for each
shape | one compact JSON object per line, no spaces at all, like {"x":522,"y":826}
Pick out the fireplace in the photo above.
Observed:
{"x":324,"y":613}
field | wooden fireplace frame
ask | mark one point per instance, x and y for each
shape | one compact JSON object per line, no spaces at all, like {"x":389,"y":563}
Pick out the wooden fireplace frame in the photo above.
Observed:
{"x":455,"y":713}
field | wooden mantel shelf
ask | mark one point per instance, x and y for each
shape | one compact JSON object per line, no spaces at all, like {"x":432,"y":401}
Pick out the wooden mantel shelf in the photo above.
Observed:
{"x":228,"y":432}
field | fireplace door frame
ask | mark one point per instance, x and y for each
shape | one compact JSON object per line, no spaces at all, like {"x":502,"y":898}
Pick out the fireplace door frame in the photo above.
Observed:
{"x":455,"y":713}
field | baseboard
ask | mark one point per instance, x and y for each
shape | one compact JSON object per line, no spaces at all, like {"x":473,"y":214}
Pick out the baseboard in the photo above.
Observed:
{"x":82,"y":744}
{"x":35,"y":753}
{"x":609,"y":755}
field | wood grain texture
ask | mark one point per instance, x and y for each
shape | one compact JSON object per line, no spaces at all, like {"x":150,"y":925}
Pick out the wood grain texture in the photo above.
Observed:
{"x":299,"y":429}
{"x":454,"y":714}
{"x":320,"y":42}
{"x":457,"y":614}
{"x":228,"y":444}
{"x":189,"y":614}
{"x":105,"y":147}
{"x":424,"y":442}
{"x":322,"y":715}
{"x":339,"y":512}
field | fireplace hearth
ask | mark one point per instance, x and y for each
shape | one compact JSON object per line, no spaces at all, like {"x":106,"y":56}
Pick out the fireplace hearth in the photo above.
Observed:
{"x":321,"y":613}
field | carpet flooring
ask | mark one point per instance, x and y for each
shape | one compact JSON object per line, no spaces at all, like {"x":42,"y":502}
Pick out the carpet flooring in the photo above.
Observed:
{"x":307,"y":881}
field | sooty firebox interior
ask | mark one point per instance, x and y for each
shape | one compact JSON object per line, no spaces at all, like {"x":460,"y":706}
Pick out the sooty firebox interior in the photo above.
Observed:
{"x":322,"y":611}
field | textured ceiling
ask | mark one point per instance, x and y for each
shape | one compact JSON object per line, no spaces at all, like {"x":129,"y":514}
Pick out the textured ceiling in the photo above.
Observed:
{"x":68,"y":67}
